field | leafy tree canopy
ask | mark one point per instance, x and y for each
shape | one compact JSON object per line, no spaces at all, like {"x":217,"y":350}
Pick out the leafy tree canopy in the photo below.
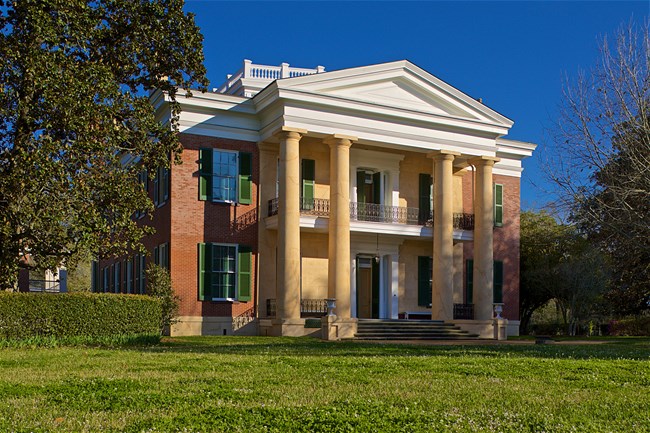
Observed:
{"x":601,"y":161}
{"x":75,"y":79}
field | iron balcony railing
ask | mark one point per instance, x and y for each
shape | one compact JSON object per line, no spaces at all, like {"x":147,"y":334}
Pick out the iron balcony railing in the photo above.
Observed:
{"x":463,"y":311}
{"x":377,"y":213}
{"x":308,"y":307}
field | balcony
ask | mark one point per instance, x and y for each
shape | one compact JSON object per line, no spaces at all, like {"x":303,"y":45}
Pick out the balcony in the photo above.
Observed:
{"x":376,"y":213}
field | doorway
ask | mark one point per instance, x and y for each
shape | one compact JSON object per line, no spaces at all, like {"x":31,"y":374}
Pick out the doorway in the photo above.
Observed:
{"x":368,"y":195}
{"x":367,"y":287}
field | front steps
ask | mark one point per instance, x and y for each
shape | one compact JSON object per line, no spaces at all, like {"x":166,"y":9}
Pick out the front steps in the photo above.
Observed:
{"x":386,"y":329}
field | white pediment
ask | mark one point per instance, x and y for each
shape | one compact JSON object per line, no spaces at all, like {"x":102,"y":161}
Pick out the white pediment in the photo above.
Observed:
{"x":399,"y":85}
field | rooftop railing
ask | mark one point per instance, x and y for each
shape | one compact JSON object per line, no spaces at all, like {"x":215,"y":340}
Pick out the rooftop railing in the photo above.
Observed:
{"x":377,"y":213}
{"x":265,"y":72}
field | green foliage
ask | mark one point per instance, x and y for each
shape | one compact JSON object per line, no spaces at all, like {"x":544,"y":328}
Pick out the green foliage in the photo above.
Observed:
{"x":159,"y":285}
{"x":76,"y":78}
{"x":25,"y":316}
{"x":557,"y":262}
{"x":631,"y":326}
{"x":226,"y":384}
{"x":600,"y":162}
{"x":79,"y":278}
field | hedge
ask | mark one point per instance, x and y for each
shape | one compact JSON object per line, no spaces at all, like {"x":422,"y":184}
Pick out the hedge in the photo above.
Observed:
{"x":91,"y":315}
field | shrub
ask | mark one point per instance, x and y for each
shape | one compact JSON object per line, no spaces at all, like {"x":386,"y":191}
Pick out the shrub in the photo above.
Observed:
{"x":90,"y":315}
{"x":159,"y":285}
{"x":630,"y":326}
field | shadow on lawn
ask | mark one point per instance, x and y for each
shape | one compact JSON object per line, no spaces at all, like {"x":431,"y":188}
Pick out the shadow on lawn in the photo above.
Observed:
{"x":310,"y":347}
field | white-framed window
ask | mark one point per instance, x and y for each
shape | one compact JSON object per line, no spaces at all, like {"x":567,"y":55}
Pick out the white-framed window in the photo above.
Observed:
{"x":161,"y":187}
{"x":225,"y":176}
{"x":225,"y":272}
{"x":142,"y":178}
{"x":161,"y":255}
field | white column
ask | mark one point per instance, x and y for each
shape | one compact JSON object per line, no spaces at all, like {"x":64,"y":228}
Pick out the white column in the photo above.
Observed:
{"x":288,"y":296}
{"x":443,"y":236}
{"x":483,"y":238}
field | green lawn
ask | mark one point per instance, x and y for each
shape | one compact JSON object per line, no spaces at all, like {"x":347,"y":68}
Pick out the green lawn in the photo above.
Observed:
{"x":237,"y":384}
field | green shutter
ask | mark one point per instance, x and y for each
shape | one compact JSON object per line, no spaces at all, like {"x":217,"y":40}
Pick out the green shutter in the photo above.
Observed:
{"x":361,"y":184}
{"x":424,"y":281}
{"x":245,"y":178}
{"x":156,"y":256}
{"x":498,"y":205}
{"x":156,"y":188}
{"x":205,"y":174}
{"x":497,"y":282}
{"x":205,"y":271}
{"x":425,"y":197}
{"x":469,"y":281}
{"x":376,"y":188}
{"x":244,"y":266}
{"x":308,"y":183}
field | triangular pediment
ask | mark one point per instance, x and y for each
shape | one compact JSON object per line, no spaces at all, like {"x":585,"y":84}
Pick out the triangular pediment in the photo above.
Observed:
{"x":400,"y":85}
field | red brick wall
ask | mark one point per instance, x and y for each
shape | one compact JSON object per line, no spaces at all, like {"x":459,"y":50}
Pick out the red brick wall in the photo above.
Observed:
{"x":161,"y":222}
{"x":194,"y":221}
{"x":506,"y":239}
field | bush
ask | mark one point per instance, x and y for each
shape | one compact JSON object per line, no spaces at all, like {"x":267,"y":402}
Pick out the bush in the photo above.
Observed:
{"x":89,"y":315}
{"x":159,"y":285}
{"x":631,"y":326}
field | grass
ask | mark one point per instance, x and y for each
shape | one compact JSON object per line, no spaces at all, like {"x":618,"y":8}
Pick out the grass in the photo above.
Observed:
{"x":237,"y":384}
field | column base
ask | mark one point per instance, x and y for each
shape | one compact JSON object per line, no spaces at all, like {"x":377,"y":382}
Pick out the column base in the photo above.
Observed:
{"x":334,"y":328}
{"x":287,"y":328}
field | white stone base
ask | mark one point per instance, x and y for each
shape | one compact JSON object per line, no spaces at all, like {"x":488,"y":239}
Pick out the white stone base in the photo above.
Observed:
{"x":286,"y":328}
{"x":513,"y":328}
{"x":335,"y":328}
{"x":198,"y":325}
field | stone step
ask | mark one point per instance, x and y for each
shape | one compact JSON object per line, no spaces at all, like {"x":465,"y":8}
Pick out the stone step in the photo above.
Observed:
{"x":383,"y":329}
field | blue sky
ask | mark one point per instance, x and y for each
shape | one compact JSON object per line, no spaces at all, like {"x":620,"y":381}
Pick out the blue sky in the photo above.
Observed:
{"x":513,"y":55}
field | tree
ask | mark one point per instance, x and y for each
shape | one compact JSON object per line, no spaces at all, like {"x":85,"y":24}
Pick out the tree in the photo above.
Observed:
{"x":159,"y":285}
{"x":76,"y":123}
{"x":558,"y":263}
{"x":601,"y":162}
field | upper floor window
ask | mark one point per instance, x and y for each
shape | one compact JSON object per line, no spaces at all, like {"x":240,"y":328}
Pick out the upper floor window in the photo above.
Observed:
{"x":498,"y":205}
{"x":161,"y":186}
{"x":225,"y":176}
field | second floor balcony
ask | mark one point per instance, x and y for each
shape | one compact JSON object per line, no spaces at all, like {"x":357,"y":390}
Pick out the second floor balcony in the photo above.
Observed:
{"x":377,"y":213}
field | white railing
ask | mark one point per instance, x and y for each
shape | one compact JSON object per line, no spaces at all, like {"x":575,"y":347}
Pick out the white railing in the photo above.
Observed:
{"x":264,"y":72}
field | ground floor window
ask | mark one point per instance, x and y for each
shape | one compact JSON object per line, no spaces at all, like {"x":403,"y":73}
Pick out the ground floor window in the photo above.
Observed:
{"x":224,"y":272}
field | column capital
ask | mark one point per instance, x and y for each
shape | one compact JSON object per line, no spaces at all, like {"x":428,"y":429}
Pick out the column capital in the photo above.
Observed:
{"x":289,"y":132}
{"x":265,"y":146}
{"x":339,"y":140}
{"x":488,"y":161}
{"x":437,"y":155}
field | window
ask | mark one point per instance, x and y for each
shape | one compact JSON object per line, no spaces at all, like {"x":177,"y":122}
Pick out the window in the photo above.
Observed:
{"x":497,"y":281}
{"x":425,"y":267}
{"x":116,"y":278}
{"x":142,"y":281}
{"x":105,"y":279}
{"x":426,"y":198}
{"x":224,"y":272}
{"x":161,"y":255}
{"x":129,"y":276}
{"x":225,"y":176}
{"x":308,"y":183}
{"x":469,"y":281}
{"x":161,"y":187}
{"x":95,"y":272}
{"x":498,"y":205}
{"x":142,"y":178}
